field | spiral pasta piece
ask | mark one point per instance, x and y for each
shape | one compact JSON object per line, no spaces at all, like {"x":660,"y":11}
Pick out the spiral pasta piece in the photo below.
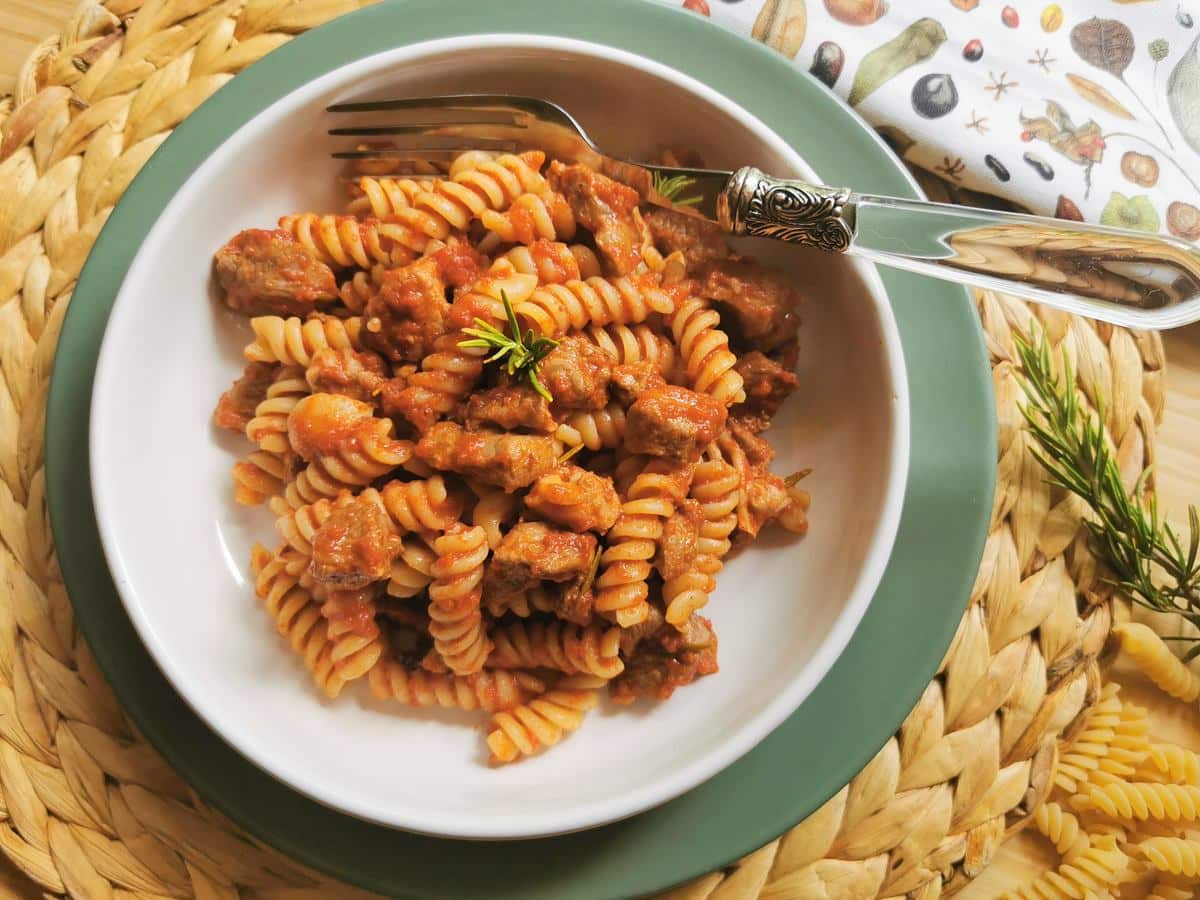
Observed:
{"x":707,"y":360}
{"x":456,"y":623}
{"x":361,"y":287}
{"x":384,"y":196}
{"x":1157,"y":662}
{"x":621,"y":589}
{"x":257,"y":477}
{"x":370,"y":452}
{"x":635,"y":343}
{"x":478,"y":185}
{"x":294,"y":341}
{"x":1090,"y":874}
{"x":412,"y":569}
{"x":296,"y":614}
{"x":345,"y":241}
{"x":716,"y":486}
{"x":1112,"y":742}
{"x":594,"y":429}
{"x":1165,"y":890}
{"x":686,"y":593}
{"x":555,"y":309}
{"x":551,"y":262}
{"x":490,"y":691}
{"x":1062,"y":829}
{"x":424,"y":505}
{"x":268,"y":428}
{"x":1176,"y":855}
{"x":542,"y":722}
{"x":1170,"y":763}
{"x":298,"y":525}
{"x":492,"y":511}
{"x":1145,"y":800}
{"x":357,"y":646}
{"x":312,"y":484}
{"x":592,"y":649}
{"x":531,"y":217}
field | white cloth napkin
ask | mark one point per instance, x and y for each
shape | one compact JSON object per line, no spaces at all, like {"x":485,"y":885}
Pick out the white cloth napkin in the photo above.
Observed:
{"x":1087,"y":109}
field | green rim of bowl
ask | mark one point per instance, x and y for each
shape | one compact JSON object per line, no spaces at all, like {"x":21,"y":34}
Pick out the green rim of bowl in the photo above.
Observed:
{"x":842,"y":724}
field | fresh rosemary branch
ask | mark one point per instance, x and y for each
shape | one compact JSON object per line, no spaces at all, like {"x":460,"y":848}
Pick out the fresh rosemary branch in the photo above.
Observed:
{"x":670,"y":188}
{"x":521,"y":354}
{"x":1149,"y":561}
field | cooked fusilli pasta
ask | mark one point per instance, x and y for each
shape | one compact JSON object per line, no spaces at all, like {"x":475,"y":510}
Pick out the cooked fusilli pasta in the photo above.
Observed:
{"x":295,"y":341}
{"x":506,"y":469}
{"x":345,"y":241}
{"x":707,"y":359}
{"x":555,"y":309}
{"x":568,"y":648}
{"x":542,"y":722}
{"x":490,"y":691}
{"x":268,"y":428}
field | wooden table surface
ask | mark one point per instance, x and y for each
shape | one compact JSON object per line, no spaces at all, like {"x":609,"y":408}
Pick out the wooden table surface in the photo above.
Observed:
{"x":23,"y":23}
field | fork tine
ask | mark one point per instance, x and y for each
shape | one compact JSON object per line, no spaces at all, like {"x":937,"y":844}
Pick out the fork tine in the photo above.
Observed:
{"x":448,"y":101}
{"x":417,"y":129}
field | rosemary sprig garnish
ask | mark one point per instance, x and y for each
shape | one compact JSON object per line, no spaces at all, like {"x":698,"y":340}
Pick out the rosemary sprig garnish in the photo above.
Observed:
{"x":1149,"y":561}
{"x":521,"y":353}
{"x":670,"y":188}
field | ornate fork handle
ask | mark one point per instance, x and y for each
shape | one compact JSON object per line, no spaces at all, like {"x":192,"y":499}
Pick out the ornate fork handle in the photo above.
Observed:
{"x":761,"y":205}
{"x":1126,"y":277}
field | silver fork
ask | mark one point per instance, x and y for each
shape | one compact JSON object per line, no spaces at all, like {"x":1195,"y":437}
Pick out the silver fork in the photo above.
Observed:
{"x":1125,"y":277}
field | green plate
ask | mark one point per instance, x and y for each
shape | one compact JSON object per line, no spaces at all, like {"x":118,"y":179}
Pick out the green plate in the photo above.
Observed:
{"x":842,"y":724}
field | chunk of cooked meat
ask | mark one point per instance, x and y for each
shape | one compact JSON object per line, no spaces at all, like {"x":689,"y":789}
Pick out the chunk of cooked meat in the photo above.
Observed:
{"x":354,"y":546}
{"x":576,"y":598}
{"x":532,"y":552}
{"x":604,"y":207}
{"x":674,"y":422}
{"x":635,"y":634}
{"x":352,"y":373}
{"x":631,"y":380}
{"x":236,"y":407}
{"x":576,"y":373}
{"x":767,"y":385}
{"x":700,"y":240}
{"x":510,"y":407}
{"x":576,"y":499}
{"x":681,"y":532}
{"x":408,"y":313}
{"x":670,"y":659}
{"x":270,"y":273}
{"x":509,"y":461}
{"x":762,"y":303}
{"x":763,"y":498}
{"x":459,"y":263}
{"x":757,"y":450}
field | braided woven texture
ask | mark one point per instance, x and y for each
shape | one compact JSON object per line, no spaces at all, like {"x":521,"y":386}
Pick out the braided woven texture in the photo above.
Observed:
{"x":88,"y":809}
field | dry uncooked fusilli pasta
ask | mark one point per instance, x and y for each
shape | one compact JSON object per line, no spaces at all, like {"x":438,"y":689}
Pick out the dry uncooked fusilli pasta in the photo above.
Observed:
{"x":1156,"y":660}
{"x":1178,"y":856}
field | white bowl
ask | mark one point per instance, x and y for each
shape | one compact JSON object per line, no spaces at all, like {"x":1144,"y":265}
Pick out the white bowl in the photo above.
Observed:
{"x":178,"y":545}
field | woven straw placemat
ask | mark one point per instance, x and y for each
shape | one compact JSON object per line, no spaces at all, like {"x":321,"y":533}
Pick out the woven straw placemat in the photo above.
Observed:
{"x":88,"y":809}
